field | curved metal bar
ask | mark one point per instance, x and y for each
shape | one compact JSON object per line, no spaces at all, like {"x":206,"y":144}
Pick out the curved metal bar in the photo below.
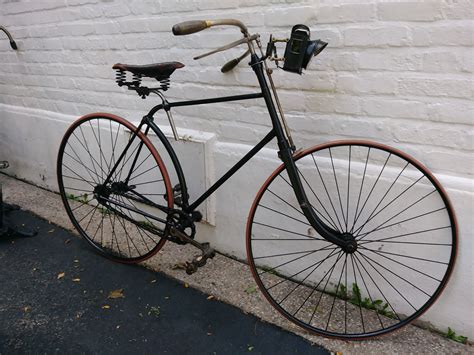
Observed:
{"x":229,"y":22}
{"x":12,"y":42}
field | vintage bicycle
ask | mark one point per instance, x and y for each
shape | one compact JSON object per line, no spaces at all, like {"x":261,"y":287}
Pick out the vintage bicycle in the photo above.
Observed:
{"x":347,"y":239}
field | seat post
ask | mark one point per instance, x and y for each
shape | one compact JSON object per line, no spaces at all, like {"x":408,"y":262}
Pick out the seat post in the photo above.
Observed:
{"x":167,"y":109}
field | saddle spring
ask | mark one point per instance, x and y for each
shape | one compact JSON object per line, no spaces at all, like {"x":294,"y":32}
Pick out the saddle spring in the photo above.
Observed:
{"x":135,"y":83}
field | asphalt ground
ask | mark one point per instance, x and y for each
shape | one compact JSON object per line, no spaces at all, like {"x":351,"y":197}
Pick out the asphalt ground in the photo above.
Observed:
{"x":58,"y":296}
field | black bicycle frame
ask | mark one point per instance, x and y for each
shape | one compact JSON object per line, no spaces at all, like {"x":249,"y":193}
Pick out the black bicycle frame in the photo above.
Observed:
{"x":285,"y":153}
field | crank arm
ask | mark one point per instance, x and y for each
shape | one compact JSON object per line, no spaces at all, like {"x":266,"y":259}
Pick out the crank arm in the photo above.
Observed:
{"x":182,"y":236}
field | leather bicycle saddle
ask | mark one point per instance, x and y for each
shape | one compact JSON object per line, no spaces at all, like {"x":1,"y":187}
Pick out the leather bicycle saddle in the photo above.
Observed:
{"x":158,"y":71}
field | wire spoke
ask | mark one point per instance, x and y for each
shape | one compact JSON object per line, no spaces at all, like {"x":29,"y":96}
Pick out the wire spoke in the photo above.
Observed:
{"x":298,"y":258}
{"x":368,"y":292}
{"x":359,"y":301}
{"x":405,"y":265}
{"x":337,"y":188}
{"x":337,"y":289}
{"x":370,"y":193}
{"x":376,"y":285}
{"x":396,"y":198}
{"x":330,"y":271}
{"x":290,"y":232}
{"x":382,"y":226}
{"x":383,"y":197}
{"x":284,"y":214}
{"x":327,"y":194}
{"x":393,"y":287}
{"x":333,"y":253}
{"x":331,"y":222}
{"x":360,"y":190}
{"x":403,"y":235}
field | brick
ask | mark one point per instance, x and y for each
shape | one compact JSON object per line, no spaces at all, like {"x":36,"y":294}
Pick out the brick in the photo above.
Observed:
{"x":327,"y":104}
{"x":106,"y":28}
{"x":376,"y":37}
{"x":446,"y":87}
{"x":466,"y":60}
{"x":346,"y":13}
{"x":217,"y":4}
{"x":409,"y":11}
{"x":76,"y":29}
{"x":391,"y":61}
{"x":178,"y":6}
{"x":81,"y":2}
{"x":396,"y":108}
{"x":452,"y":111}
{"x":290,"y":16}
{"x":458,"y":9}
{"x":116,"y":10}
{"x":133,"y":26}
{"x":144,"y":7}
{"x":445,"y":35}
{"x":442,"y":62}
{"x":363,"y":83}
{"x":32,"y":6}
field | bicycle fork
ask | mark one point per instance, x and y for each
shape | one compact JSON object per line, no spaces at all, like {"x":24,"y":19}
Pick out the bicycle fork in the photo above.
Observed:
{"x":343,"y":240}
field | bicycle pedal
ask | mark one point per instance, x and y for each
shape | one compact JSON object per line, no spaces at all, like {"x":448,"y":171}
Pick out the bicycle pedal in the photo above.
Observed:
{"x":191,"y":268}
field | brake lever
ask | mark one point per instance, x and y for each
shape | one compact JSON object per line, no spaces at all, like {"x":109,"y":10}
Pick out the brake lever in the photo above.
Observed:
{"x":228,"y":46}
{"x":233,"y":63}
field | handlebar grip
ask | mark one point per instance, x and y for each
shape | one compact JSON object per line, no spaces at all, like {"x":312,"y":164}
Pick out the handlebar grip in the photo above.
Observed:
{"x":188,"y":27}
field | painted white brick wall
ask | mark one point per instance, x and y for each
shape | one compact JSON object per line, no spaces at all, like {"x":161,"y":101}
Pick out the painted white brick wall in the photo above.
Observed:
{"x":396,"y":72}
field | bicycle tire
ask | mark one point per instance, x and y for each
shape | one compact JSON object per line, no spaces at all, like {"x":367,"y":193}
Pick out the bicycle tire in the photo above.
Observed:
{"x":407,"y":240}
{"x":89,"y":149}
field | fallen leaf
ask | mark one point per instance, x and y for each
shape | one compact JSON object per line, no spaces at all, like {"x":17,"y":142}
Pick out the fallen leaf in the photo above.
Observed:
{"x":76,"y":280}
{"x":26,"y":309}
{"x":186,"y":285}
{"x":105,"y":306}
{"x":116,"y":294}
{"x":251,"y":289}
{"x":154,"y":311}
{"x":179,"y":266}
{"x":51,"y":230}
{"x":211,"y":297}
{"x":250,"y":348}
{"x":61,"y":275}
{"x":153,"y":281}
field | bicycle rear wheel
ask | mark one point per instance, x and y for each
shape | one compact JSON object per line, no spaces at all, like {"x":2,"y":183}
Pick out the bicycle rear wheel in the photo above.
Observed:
{"x":395,"y":210}
{"x":120,"y":218}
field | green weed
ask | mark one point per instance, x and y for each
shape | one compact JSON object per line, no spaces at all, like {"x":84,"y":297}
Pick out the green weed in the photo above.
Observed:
{"x":451,"y":334}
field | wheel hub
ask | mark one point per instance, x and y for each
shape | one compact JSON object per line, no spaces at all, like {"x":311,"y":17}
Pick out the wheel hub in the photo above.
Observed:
{"x":350,"y":243}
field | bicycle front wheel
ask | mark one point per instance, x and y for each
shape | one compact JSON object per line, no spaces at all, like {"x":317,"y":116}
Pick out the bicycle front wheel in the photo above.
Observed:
{"x":121,"y":218}
{"x":389,"y":204}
